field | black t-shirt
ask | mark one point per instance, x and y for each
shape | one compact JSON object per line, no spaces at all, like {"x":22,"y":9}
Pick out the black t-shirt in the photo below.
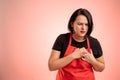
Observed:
{"x":62,"y":41}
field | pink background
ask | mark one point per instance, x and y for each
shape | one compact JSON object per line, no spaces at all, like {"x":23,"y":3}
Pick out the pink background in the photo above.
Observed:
{"x":28,"y":29}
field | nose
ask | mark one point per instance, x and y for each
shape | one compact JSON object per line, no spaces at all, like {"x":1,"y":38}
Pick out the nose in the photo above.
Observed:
{"x":83,"y":26}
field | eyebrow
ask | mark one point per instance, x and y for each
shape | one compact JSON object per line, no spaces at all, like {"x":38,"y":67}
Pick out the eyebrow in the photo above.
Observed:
{"x":82,"y":22}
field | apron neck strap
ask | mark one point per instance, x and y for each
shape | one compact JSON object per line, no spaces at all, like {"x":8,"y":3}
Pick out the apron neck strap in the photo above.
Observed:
{"x":88,"y":43}
{"x":70,"y":39}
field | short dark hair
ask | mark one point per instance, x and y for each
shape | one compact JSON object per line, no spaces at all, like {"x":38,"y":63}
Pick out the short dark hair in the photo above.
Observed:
{"x":84,"y":12}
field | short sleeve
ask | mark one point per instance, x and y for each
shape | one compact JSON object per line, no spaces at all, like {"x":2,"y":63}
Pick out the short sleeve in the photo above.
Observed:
{"x":58,"y":43}
{"x":61,"y":43}
{"x":97,"y":49}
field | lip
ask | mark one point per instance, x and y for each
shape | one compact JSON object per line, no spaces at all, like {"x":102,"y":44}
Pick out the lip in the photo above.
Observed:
{"x":82,"y":32}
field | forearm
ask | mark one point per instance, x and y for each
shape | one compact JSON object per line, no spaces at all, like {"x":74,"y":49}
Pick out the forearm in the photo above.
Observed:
{"x":98,"y":66}
{"x":59,"y":63}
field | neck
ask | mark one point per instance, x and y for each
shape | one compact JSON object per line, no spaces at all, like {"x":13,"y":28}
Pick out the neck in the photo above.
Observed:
{"x":78,"y":38}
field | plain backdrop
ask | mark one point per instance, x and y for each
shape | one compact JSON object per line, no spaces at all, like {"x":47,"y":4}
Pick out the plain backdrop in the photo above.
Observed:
{"x":28,"y":29}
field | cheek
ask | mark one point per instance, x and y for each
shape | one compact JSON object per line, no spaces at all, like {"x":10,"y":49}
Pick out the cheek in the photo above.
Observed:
{"x":86,"y":28}
{"x":76,"y":28}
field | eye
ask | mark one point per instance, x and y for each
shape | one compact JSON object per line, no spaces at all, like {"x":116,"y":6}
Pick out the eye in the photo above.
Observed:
{"x":80,"y":23}
{"x":86,"y":24}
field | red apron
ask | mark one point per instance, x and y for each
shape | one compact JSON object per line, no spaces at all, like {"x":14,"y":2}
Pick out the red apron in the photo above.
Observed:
{"x":77,"y":69}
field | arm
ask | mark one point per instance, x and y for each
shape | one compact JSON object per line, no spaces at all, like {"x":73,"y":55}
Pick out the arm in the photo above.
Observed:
{"x":97,"y":63}
{"x":55,"y":62}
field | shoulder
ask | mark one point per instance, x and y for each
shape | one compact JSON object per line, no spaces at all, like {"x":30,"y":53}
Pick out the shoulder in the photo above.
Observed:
{"x":61,"y":42}
{"x":62,"y":39}
{"x":93,"y":39}
{"x":64,"y":36}
{"x":95,"y":44}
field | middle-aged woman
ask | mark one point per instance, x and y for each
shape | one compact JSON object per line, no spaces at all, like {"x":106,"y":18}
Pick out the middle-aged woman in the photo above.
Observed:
{"x":76,"y":54}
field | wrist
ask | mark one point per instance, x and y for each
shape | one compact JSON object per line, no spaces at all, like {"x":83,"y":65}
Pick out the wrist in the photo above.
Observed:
{"x":72,"y":56}
{"x":93,"y":61}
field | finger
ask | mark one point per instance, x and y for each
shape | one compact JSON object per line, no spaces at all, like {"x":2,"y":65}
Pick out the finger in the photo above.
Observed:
{"x":84,"y":55}
{"x":91,"y":51}
{"x":83,"y":58}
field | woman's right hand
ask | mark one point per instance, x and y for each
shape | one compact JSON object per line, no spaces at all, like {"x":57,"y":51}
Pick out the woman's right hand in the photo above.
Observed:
{"x":55,"y":62}
{"x":79,"y":52}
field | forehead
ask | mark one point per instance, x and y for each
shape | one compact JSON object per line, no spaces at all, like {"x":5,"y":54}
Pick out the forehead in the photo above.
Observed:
{"x":81,"y":18}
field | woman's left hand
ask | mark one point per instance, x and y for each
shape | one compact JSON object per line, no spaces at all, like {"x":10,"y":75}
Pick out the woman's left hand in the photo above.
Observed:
{"x":88,"y":57}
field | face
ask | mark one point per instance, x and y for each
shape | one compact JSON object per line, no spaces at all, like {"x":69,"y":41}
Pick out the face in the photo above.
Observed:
{"x":80,"y":26}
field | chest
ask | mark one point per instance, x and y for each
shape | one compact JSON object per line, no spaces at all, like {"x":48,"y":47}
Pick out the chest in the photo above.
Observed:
{"x":79,"y":44}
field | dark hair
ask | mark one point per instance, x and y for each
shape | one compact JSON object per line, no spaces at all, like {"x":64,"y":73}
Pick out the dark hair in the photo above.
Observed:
{"x":81,"y":12}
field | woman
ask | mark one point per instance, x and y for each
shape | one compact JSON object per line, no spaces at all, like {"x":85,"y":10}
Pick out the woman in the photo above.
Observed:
{"x":76,"y":54}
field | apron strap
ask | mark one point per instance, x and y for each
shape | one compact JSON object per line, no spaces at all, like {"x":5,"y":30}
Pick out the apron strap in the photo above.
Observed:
{"x":88,"y":44}
{"x":70,"y":39}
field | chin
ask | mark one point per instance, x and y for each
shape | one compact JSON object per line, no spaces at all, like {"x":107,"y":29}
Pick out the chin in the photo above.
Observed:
{"x":81,"y":35}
